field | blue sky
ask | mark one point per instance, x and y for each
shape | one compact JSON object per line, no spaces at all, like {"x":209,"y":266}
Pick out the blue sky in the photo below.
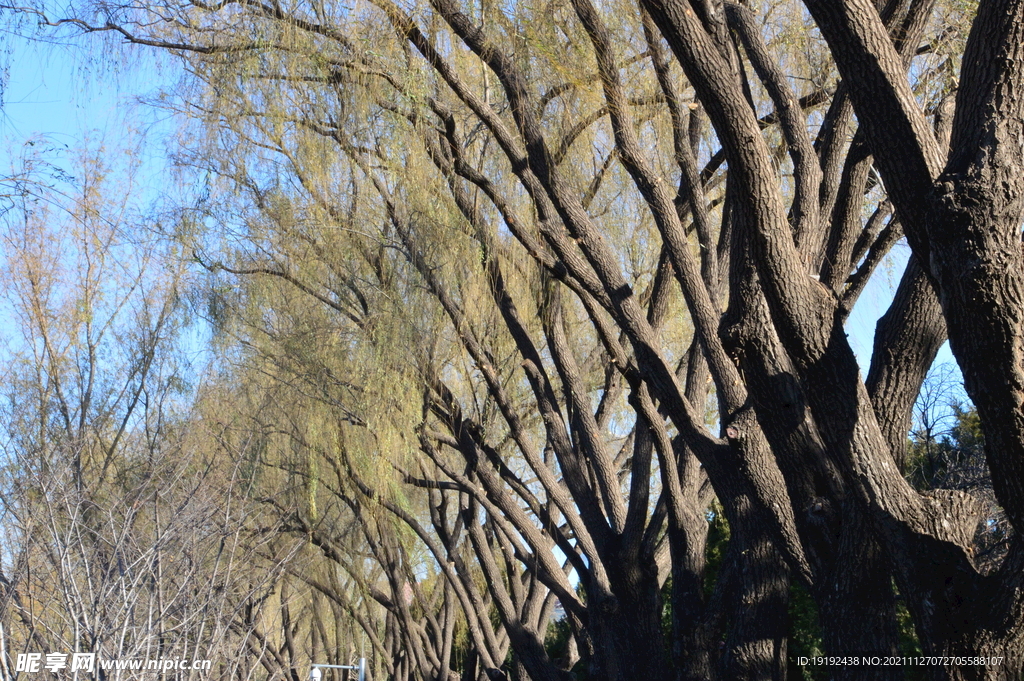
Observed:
{"x":67,"y":97}
{"x":48,"y":93}
{"x":60,"y":101}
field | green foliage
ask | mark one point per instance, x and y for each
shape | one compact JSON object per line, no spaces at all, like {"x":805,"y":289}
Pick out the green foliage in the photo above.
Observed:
{"x":556,"y":638}
{"x":909,"y":644}
{"x":717,"y":544}
{"x":804,"y":635}
{"x":954,"y":461}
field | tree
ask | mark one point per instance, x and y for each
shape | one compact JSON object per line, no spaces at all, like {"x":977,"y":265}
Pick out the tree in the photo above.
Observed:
{"x":509,"y":211}
{"x":947,"y":451}
{"x":122,"y":536}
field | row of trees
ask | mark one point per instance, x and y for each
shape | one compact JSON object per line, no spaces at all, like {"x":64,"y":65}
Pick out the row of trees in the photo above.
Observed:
{"x":517,"y":307}
{"x":127,"y":532}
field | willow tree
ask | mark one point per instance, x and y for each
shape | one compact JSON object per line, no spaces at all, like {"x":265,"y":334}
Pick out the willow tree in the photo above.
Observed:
{"x":297,"y":406}
{"x":548,"y":175}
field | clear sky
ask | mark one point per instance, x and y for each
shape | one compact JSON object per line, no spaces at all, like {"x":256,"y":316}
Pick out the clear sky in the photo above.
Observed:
{"x":49,"y":93}
{"x":64,"y":98}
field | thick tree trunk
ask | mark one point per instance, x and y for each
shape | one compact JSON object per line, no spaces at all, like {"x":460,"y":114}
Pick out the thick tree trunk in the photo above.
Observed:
{"x":755,"y":647}
{"x":469,"y":667}
{"x":691,"y":647}
{"x":983,"y":627}
{"x":629,"y":643}
{"x":857,"y":606}
{"x":907,"y":339}
{"x":851,"y":579}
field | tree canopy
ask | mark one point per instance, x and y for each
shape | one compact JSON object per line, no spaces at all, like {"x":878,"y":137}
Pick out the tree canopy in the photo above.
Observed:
{"x":532,"y":304}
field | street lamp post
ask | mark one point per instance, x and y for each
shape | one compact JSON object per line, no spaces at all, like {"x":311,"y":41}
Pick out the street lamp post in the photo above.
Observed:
{"x":315,"y":673}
